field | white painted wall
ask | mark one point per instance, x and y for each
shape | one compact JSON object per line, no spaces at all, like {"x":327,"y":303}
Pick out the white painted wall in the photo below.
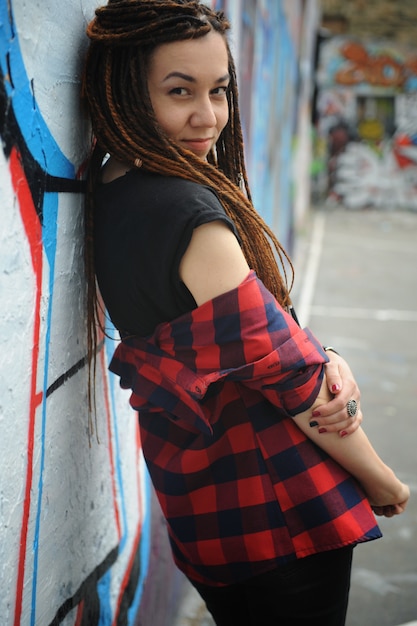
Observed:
{"x":74,"y":517}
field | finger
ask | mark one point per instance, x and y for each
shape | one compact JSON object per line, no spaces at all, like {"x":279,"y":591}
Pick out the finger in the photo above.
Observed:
{"x":333,"y":377}
{"x":378,"y":510}
{"x":383,"y":511}
{"x":336,"y":407}
{"x":334,"y":382}
{"x":352,"y":426}
{"x":391,"y":510}
{"x":337,"y":422}
{"x":348,"y":392}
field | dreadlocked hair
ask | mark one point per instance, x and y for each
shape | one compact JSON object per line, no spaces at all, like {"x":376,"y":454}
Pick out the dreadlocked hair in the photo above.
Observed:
{"x":123,"y":35}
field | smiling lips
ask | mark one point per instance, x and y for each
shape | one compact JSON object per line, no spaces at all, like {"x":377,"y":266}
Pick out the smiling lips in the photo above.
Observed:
{"x":199,"y":145}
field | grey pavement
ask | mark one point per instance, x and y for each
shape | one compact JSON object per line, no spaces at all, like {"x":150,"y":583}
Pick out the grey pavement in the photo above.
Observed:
{"x":359,"y":293}
{"x":356,"y":287}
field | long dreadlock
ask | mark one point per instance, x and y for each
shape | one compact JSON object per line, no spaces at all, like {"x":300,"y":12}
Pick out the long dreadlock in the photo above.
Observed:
{"x":123,"y":35}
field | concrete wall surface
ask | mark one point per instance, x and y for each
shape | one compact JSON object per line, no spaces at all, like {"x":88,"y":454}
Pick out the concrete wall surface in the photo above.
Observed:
{"x":82,"y":538}
{"x":75,"y":515}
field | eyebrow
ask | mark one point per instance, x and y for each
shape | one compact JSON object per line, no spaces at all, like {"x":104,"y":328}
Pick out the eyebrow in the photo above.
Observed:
{"x":191,"y":79}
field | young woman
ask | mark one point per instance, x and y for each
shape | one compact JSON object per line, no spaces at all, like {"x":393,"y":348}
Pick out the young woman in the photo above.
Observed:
{"x":263,"y":508}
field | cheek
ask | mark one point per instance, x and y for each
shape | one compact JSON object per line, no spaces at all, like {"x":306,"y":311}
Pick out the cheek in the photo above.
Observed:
{"x":175,"y":118}
{"x":168,"y":120}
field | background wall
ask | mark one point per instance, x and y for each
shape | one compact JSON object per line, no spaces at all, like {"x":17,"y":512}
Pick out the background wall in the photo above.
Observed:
{"x":367,"y":122}
{"x":82,"y":539}
{"x":274,"y":43}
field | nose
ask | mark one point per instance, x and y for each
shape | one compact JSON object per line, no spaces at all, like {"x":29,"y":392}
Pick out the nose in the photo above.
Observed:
{"x":204,"y":114}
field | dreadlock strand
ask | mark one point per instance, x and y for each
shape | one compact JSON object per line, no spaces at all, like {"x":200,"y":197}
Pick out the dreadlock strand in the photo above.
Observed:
{"x":118,"y":23}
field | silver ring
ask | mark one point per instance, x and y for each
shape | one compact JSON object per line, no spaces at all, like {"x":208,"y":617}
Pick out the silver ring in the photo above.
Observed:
{"x":352,"y":408}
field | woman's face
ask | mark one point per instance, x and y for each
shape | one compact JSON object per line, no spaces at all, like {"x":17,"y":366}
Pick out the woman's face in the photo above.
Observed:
{"x":188,"y":82}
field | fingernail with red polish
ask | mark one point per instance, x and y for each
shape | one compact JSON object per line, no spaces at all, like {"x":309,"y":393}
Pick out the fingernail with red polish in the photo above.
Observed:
{"x":316,"y":413}
{"x":343,"y":433}
{"x":335,"y":388}
{"x":322,"y":430}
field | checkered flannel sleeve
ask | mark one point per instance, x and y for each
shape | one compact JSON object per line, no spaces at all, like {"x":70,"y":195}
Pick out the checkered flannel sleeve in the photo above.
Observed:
{"x":242,"y":336}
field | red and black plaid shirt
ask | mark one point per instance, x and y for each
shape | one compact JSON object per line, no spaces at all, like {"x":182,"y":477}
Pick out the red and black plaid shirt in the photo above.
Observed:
{"x":242,"y":488}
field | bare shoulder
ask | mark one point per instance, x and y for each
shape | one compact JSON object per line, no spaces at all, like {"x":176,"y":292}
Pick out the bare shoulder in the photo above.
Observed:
{"x":213,"y":262}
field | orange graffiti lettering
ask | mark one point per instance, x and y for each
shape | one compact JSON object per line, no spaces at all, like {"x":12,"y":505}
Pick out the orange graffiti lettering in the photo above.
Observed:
{"x":361,"y":67}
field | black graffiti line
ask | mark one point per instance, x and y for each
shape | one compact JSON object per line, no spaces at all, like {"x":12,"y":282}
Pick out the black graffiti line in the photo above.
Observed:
{"x":86,"y":591}
{"x":39,"y":181}
{"x":61,"y":380}
{"x":56,"y":184}
{"x":66,"y":376}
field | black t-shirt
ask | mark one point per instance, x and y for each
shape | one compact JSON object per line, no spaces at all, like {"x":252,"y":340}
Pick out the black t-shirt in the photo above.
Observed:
{"x":143,"y":225}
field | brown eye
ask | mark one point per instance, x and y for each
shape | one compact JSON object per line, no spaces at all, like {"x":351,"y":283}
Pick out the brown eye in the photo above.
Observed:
{"x":220,"y":91}
{"x":178,"y":91}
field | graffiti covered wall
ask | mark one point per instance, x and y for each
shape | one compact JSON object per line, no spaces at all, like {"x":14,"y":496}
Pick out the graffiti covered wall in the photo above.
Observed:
{"x":75,"y":515}
{"x":367,"y":122}
{"x":82,"y":538}
{"x":274,"y":51}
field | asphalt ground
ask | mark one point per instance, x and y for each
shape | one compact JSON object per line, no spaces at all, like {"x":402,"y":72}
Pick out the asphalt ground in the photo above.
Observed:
{"x":359,"y":293}
{"x":356,"y":288}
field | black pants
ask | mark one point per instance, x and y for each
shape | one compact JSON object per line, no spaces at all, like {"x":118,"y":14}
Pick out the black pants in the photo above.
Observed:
{"x":309,"y":592}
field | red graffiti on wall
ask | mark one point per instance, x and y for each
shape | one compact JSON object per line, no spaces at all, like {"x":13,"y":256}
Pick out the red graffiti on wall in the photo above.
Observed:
{"x":33,"y":229}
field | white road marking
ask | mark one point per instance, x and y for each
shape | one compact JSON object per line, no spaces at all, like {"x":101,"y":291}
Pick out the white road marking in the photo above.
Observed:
{"x":380,"y":315}
{"x":311,"y":269}
{"x":305,"y":308}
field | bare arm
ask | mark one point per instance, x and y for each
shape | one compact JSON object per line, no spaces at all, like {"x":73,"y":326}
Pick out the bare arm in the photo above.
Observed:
{"x":213,"y":262}
{"x":387,"y":495}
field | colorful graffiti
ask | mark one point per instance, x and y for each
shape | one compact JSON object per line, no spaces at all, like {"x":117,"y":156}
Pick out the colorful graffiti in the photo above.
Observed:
{"x":349,"y":62}
{"x":365,"y":178}
{"x":362,"y":67}
{"x":268,"y":90}
{"x":367,"y":120}
{"x":75,"y":514}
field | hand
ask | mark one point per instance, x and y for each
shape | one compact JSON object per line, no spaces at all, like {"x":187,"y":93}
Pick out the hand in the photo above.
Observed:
{"x":390,"y":510}
{"x":395,"y":507}
{"x":333,"y":416}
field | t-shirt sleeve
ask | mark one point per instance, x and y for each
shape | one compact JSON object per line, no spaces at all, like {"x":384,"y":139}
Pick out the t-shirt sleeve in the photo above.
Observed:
{"x":181,"y":206}
{"x":145,"y":226}
{"x":201,"y":208}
